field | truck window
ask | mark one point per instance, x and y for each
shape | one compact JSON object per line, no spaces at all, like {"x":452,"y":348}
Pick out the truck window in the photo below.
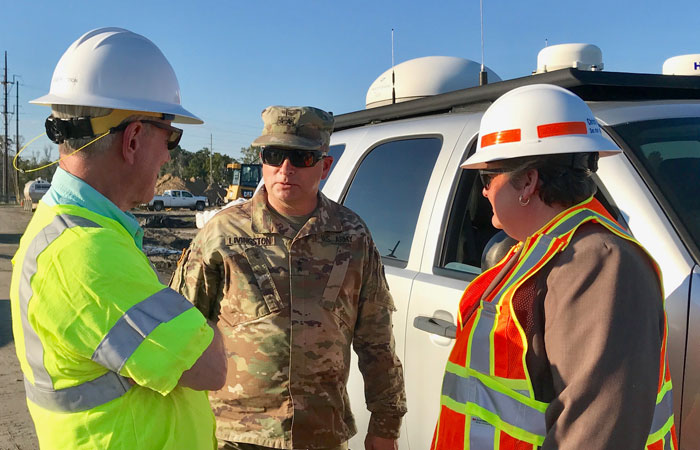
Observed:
{"x":336,"y":151}
{"x":387,"y":192}
{"x":469,"y":226}
{"x":186,"y":194}
{"x":668,"y":151}
{"x":175,"y":193}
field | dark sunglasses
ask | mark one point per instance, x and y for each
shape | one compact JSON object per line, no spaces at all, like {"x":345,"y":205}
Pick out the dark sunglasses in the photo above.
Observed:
{"x":173,"y":138}
{"x":487,"y":175}
{"x":274,"y":156}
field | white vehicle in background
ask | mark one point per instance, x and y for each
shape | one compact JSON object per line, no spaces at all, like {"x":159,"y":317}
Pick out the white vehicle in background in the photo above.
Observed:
{"x":397,"y":166}
{"x":177,"y":198}
{"x":33,"y":191}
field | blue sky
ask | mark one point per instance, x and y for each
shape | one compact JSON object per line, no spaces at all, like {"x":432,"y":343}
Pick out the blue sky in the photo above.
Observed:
{"x":234,"y":58}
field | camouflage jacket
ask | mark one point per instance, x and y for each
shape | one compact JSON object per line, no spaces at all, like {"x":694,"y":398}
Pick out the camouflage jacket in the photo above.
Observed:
{"x":290,"y":305}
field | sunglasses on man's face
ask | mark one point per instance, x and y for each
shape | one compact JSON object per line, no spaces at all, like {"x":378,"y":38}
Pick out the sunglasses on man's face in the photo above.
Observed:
{"x":173,"y":138}
{"x":274,"y":156}
{"x":487,"y":175}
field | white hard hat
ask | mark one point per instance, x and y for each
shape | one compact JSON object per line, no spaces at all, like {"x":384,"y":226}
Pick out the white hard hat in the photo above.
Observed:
{"x":539,"y":119}
{"x":115,"y":68}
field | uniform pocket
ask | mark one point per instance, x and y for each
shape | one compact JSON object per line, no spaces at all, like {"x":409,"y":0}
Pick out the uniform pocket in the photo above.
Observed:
{"x":268,"y":290}
{"x":252,"y":293}
{"x":331,"y":298}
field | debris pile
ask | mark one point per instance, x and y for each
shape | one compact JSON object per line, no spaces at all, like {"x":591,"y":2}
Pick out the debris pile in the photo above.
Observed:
{"x":169,"y":181}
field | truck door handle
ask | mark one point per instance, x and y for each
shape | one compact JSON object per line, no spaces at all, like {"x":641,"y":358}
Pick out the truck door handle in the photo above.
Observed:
{"x":436,"y":326}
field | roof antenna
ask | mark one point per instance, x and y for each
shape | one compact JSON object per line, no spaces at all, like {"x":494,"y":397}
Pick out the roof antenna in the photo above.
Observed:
{"x":483,"y":76}
{"x":393,"y":76}
{"x":546,"y":42}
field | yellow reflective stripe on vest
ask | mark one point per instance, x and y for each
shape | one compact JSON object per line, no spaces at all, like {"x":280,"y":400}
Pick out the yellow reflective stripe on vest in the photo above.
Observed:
{"x":137,"y":323}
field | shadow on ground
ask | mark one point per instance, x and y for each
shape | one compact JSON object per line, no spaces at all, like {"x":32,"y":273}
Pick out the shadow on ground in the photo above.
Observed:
{"x":10,"y":238}
{"x":5,"y":322}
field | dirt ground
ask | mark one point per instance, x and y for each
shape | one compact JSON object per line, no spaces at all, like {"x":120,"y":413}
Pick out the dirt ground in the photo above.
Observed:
{"x":165,"y":235}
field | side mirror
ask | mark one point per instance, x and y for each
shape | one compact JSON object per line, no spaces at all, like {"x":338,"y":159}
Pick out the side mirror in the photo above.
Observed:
{"x":495,"y":249}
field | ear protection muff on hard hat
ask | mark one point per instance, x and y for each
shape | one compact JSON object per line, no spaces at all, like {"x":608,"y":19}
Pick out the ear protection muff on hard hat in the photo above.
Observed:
{"x":58,"y":130}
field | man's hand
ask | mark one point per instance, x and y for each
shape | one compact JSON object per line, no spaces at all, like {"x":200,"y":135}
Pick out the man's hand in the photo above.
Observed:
{"x":379,"y":443}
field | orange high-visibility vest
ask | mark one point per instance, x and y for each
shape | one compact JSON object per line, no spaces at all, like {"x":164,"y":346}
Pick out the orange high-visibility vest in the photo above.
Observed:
{"x":487,"y":397}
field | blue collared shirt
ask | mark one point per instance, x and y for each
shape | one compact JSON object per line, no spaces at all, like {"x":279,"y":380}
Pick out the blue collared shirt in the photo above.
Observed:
{"x":67,"y":189}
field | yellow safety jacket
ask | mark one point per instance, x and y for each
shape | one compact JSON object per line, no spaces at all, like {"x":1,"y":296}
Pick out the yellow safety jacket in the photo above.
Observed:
{"x":486,"y":386}
{"x":101,"y":342}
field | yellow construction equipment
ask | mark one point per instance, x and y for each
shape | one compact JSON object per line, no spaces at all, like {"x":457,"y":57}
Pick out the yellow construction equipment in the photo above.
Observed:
{"x":243,"y":179}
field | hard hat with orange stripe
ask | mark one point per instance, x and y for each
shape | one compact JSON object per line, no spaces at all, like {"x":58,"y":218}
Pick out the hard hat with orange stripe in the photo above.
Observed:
{"x":535,"y":120}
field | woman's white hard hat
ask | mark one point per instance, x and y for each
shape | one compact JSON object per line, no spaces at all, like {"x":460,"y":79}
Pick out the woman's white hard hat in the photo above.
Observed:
{"x":539,"y":119}
{"x":118,"y":69}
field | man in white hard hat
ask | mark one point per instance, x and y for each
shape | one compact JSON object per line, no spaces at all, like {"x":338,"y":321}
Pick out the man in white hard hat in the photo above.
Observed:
{"x":111,"y":357}
{"x":562,"y":344}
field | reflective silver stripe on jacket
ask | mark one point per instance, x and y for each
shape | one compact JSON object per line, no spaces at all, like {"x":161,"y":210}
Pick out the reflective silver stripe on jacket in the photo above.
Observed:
{"x":662,"y":412}
{"x":82,"y":397}
{"x":482,"y":434}
{"x":137,"y":323}
{"x":77,"y":398}
{"x":33,"y":347}
{"x":508,"y":409}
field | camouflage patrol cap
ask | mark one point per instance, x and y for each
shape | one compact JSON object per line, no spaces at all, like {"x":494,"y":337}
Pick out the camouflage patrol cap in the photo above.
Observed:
{"x":302,"y":127}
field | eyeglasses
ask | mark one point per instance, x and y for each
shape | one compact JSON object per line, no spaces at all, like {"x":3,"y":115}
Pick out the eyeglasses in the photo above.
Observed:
{"x":274,"y":156}
{"x":487,"y":175}
{"x":173,"y":138}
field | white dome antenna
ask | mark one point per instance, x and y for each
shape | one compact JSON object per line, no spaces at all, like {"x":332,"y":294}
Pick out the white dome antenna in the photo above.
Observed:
{"x":564,"y":56}
{"x":682,"y":65}
{"x":423,"y":77}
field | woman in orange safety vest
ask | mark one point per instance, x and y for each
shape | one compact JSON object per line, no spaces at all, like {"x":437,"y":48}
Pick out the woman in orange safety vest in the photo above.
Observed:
{"x":562,"y":344}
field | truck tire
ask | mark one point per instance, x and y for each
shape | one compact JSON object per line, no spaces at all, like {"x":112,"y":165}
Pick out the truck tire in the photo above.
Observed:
{"x":199,"y":206}
{"x":158,"y":206}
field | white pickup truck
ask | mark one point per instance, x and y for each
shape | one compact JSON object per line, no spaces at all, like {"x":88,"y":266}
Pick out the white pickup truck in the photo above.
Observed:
{"x":397,"y":166}
{"x":175,"y":198}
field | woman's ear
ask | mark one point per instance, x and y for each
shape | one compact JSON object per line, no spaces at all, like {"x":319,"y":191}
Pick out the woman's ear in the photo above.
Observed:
{"x":530,"y":183}
{"x":132,"y":141}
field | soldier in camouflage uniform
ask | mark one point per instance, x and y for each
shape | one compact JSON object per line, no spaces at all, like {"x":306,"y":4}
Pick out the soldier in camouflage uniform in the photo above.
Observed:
{"x":293,"y":280}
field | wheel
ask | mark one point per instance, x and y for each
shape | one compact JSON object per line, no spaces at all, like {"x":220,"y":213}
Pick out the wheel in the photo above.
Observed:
{"x":200,"y":206}
{"x":158,"y":206}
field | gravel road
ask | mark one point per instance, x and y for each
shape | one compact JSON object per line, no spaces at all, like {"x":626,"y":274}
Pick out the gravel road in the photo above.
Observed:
{"x":16,"y":427}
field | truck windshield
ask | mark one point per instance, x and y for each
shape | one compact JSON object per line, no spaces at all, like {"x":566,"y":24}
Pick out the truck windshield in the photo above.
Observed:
{"x":669,"y":150}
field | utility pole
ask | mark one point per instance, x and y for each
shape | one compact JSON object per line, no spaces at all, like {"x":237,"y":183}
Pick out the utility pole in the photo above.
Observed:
{"x":211,"y":152}
{"x":16,"y":83}
{"x":5,"y":172}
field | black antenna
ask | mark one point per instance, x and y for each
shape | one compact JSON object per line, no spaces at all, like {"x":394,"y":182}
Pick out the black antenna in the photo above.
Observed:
{"x":393,"y":75}
{"x":483,"y":76}
{"x":391,"y":253}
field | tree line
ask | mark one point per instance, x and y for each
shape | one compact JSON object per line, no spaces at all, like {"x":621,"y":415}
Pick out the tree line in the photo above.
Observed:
{"x":186,"y":165}
{"x":183,"y":164}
